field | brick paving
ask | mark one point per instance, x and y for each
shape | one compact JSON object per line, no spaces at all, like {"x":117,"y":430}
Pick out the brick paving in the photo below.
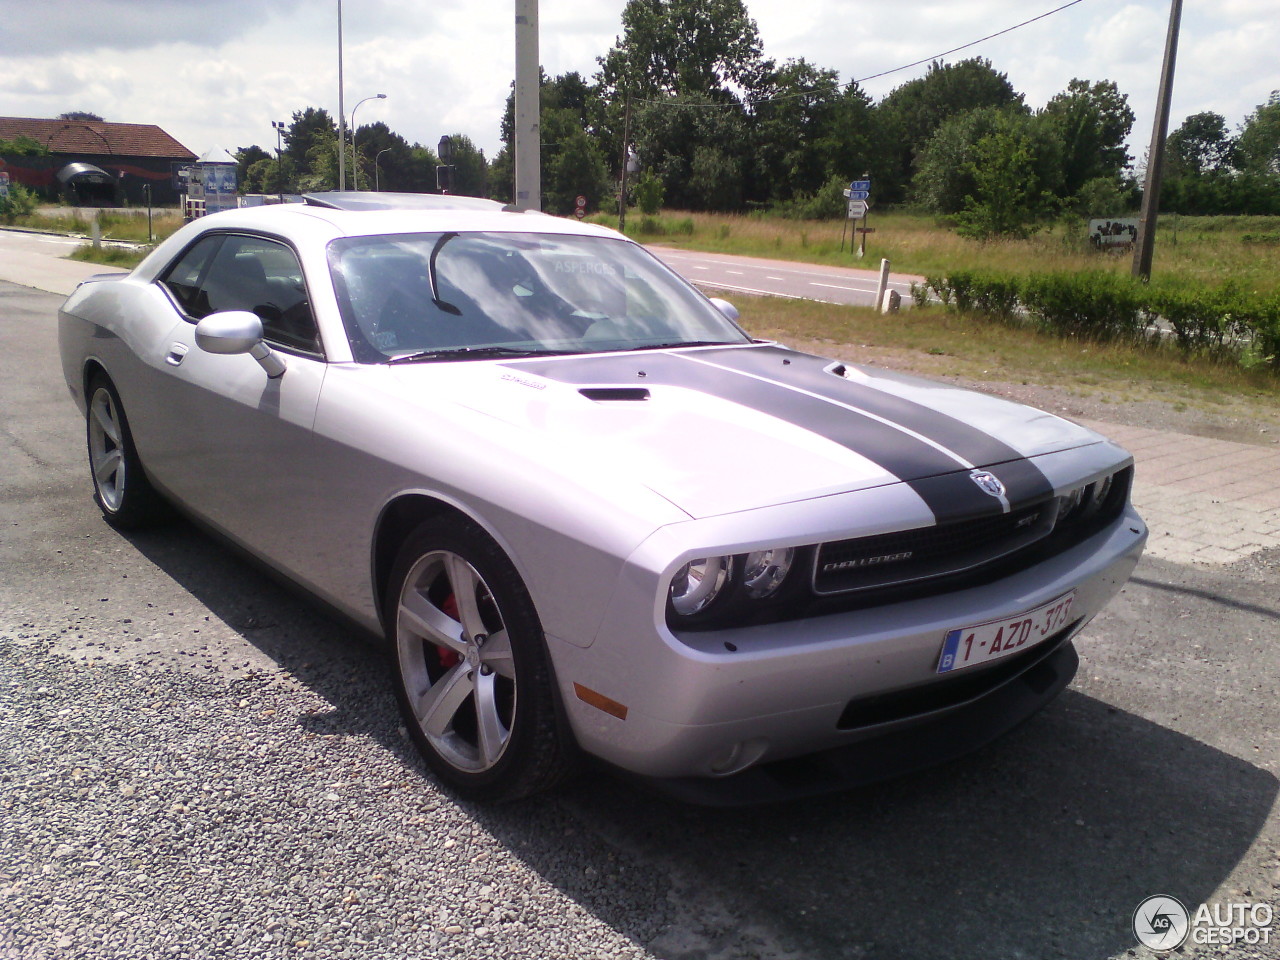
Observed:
{"x":1206,"y":501}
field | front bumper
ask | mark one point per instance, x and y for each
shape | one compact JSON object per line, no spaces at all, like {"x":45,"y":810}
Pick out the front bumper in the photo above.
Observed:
{"x":715,"y":703}
{"x":905,"y":748}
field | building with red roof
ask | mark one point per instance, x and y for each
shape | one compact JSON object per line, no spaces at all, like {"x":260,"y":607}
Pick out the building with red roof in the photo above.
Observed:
{"x":95,"y":162}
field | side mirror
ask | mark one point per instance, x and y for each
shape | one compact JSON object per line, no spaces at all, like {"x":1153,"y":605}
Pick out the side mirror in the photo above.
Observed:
{"x":727,"y":308}
{"x":238,"y":331}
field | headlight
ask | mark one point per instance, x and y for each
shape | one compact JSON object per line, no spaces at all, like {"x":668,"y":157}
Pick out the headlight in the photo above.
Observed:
{"x":764,"y":571}
{"x":1071,"y":502}
{"x":1087,"y":500}
{"x":698,"y":583}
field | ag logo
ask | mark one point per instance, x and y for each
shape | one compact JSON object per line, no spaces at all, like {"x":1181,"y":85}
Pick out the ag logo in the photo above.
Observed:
{"x":1161,"y":923}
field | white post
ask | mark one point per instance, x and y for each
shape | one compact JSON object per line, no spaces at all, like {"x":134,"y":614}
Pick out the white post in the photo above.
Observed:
{"x":883,"y":284}
{"x":528,"y":132}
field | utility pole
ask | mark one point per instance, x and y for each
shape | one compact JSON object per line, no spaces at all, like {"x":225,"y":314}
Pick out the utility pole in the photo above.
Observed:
{"x":528,"y":132}
{"x":1146,"y":241}
{"x":626,"y":159}
{"x":342,"y":113}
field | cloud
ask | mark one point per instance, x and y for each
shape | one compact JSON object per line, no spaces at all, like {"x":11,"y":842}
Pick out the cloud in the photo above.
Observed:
{"x":218,"y":73}
{"x":58,"y":26}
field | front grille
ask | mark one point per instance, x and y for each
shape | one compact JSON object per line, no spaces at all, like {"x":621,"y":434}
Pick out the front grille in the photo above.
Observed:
{"x":910,"y":555}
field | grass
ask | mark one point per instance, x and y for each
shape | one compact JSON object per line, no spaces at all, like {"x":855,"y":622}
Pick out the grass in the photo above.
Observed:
{"x":115,"y":256}
{"x":940,"y":343}
{"x":129,"y":224}
{"x":1207,"y":249}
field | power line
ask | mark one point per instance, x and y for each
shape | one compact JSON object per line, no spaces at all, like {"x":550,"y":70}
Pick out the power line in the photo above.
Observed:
{"x":965,"y":46}
{"x":884,"y":73}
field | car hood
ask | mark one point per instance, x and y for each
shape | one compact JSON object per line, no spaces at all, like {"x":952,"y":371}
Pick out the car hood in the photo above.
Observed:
{"x":725,"y":429}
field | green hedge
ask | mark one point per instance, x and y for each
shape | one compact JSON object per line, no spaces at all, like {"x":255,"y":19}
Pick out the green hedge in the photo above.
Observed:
{"x":1221,"y":321}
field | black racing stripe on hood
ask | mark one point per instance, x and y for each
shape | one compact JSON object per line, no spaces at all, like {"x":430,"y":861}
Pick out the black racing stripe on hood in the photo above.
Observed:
{"x":930,"y":472}
{"x":1022,"y":479}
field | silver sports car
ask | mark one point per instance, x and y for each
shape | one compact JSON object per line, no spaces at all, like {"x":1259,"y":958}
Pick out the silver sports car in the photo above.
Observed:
{"x":589,"y":514}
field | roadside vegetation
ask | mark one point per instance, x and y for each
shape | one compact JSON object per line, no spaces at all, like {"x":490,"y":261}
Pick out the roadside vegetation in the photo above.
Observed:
{"x":949,"y":344}
{"x":1210,"y":250}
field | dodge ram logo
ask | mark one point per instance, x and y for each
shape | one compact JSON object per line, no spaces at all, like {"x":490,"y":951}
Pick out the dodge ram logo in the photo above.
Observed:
{"x":987,"y":482}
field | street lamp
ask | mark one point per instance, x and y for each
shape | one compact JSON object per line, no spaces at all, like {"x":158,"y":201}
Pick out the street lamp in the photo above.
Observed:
{"x":376,"y":184}
{"x":355,"y":164}
{"x":278,"y":126}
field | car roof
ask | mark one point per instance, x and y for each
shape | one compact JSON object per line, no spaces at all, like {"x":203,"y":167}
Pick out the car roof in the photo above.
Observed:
{"x":355,"y":215}
{"x":327,"y":217}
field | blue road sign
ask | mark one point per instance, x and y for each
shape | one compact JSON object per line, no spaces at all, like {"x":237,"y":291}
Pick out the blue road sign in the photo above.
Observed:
{"x":860,"y":185}
{"x":859,"y":194}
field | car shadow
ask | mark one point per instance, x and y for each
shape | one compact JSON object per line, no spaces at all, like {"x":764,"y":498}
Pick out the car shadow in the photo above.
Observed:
{"x":1041,"y":845}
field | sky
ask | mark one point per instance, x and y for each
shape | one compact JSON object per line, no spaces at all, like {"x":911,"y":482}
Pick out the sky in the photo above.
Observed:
{"x":216,"y":73}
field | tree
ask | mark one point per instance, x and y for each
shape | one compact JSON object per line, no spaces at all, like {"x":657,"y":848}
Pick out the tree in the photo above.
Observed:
{"x":307,"y":128}
{"x":82,"y":116}
{"x":794,"y":130}
{"x":246,"y":159}
{"x":1199,"y":145}
{"x":573,"y":159}
{"x":1009,"y":196}
{"x":393,"y":169}
{"x":470,"y":171}
{"x":1092,"y":122}
{"x":696,"y":147}
{"x":911,"y":113}
{"x":573,"y":166}
{"x":949,"y":168}
{"x":1259,"y":141}
{"x":670,"y":47}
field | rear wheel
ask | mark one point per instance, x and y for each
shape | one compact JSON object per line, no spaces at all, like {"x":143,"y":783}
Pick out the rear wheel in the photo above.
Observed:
{"x":120,"y":485}
{"x":472,"y":673}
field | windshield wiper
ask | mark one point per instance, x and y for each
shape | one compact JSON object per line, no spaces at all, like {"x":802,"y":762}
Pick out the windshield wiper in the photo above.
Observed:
{"x":475,"y":353}
{"x":684,"y":343}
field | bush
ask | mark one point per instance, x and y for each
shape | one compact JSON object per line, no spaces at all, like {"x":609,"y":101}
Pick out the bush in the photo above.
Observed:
{"x":20,"y":202}
{"x":825,"y":203}
{"x":649,"y":192}
{"x":1092,"y":305}
{"x":1223,"y":322}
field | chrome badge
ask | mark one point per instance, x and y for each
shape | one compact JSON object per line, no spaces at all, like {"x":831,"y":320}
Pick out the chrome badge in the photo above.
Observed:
{"x":988,"y":483}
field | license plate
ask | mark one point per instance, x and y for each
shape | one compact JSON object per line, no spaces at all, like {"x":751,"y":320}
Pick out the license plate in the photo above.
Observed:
{"x":994,"y":639}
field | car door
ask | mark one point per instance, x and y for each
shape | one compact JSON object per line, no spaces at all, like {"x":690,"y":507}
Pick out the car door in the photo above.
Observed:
{"x":236,"y":446}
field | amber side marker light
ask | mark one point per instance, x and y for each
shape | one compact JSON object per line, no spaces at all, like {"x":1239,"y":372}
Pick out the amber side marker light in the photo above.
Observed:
{"x":600,"y":701}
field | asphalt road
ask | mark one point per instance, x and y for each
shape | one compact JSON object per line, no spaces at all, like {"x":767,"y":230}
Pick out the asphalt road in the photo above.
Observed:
{"x":721,"y":272}
{"x":196,"y":763}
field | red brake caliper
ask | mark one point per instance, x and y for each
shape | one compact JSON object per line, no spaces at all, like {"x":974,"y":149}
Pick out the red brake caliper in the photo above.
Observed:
{"x":448,"y":656}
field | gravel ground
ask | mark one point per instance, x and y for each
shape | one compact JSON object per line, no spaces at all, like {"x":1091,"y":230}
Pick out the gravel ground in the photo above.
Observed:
{"x":159,"y":814}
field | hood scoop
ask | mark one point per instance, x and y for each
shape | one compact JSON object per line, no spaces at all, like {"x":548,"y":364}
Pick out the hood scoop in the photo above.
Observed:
{"x":613,"y":394}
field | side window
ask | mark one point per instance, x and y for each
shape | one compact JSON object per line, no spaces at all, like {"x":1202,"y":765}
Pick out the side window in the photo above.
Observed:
{"x":229,"y":272}
{"x":184,"y":277}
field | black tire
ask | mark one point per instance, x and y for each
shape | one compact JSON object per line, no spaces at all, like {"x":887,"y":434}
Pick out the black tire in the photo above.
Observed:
{"x":492,"y":729}
{"x":120,"y":485}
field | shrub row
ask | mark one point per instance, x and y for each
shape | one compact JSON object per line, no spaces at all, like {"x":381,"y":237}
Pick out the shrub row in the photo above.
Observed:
{"x":1222,"y":321}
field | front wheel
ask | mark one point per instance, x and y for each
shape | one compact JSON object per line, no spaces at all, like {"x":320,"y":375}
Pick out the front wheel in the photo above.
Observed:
{"x":472,"y":673}
{"x":120,"y":485}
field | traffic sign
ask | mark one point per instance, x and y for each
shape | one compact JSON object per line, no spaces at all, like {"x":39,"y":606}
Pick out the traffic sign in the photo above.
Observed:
{"x":859,"y":194}
{"x":860,"y":185}
{"x":580,"y":200}
{"x":857,"y":208}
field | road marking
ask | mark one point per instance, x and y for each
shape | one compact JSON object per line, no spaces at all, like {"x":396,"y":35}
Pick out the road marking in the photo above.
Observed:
{"x":720,"y":285}
{"x":737,"y":273}
{"x":836,"y":286}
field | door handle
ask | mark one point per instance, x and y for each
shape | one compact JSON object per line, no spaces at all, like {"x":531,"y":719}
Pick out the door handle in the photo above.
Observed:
{"x":177,"y":353}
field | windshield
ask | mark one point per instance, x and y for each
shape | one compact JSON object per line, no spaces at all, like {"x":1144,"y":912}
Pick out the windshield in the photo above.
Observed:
{"x":446,"y":295}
